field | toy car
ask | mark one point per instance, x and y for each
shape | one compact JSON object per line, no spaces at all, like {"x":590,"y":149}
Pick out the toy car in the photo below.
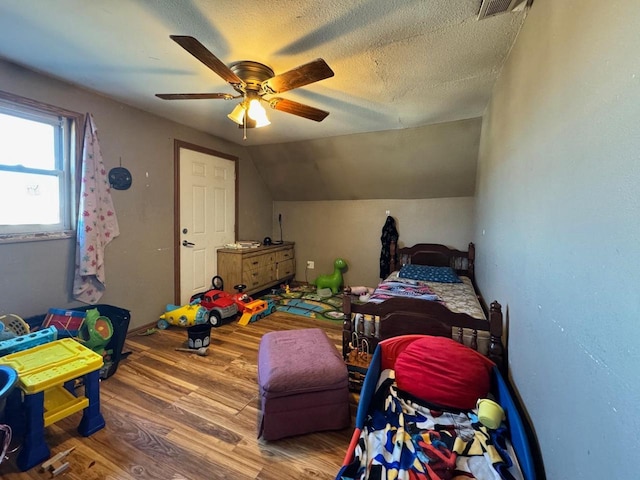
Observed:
{"x":240,"y":297}
{"x":218,"y":303}
{"x":185,"y":316}
{"x":256,"y":310}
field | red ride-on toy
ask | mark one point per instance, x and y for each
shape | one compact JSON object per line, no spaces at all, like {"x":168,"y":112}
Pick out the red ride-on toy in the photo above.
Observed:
{"x":219,"y":303}
{"x":240,"y":297}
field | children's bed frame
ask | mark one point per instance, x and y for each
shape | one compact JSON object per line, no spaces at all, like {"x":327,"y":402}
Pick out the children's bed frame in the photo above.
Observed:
{"x":500,"y":390}
{"x":401,"y":316}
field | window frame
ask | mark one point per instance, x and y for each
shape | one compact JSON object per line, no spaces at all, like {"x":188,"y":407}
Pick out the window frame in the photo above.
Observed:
{"x":68,"y":160}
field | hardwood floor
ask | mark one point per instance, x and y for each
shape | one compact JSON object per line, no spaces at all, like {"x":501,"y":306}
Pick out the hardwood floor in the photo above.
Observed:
{"x":175,"y":415}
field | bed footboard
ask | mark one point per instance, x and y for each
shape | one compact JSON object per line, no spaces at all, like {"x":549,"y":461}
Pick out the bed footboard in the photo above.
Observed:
{"x":374,"y":322}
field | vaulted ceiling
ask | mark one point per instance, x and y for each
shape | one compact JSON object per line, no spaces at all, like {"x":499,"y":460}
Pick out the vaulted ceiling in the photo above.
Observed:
{"x":398,"y":64}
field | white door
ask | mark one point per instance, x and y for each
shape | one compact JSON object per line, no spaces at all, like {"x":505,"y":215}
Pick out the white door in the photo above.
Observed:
{"x":207,"y":216}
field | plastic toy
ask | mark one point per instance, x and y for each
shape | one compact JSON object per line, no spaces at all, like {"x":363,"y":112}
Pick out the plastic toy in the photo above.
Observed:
{"x":67,"y":322}
{"x":490,"y":413}
{"x":359,"y":290}
{"x":202,"y":351}
{"x":256,"y":310}
{"x":14,"y":324}
{"x":334,"y":280}
{"x":220,"y":305}
{"x":240,"y":297}
{"x":30,"y":340}
{"x":185,"y":316}
{"x":364,"y":293}
{"x":96,"y":331}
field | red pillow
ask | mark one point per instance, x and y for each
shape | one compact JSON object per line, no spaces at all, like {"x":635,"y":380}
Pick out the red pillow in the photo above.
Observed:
{"x":442,"y":371}
{"x":394,"y":346}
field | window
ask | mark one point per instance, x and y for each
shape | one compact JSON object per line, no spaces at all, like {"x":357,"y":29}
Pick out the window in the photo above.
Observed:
{"x":39,"y":145}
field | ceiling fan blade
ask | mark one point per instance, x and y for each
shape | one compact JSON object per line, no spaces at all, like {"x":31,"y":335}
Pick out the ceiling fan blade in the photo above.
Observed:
{"x":193,"y":96}
{"x":298,"y":77}
{"x":299,"y":109}
{"x":195,"y":48}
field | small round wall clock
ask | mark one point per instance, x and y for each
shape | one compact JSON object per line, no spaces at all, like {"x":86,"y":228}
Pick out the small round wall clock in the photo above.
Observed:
{"x":120,"y":178}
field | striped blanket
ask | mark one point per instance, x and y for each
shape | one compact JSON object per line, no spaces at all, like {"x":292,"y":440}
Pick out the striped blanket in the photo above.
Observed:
{"x":390,"y":289}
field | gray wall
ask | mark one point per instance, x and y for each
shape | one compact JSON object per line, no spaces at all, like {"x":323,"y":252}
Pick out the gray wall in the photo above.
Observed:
{"x":351,"y":230}
{"x":432,"y":161}
{"x":558,"y":229}
{"x":334,"y":193}
{"x":139,"y":263}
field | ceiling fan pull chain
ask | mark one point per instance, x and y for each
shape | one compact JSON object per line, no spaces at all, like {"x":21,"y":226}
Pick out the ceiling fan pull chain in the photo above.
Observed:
{"x":244,"y":125}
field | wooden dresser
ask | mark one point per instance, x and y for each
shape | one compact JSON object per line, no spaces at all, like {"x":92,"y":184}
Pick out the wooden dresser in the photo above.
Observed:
{"x":258,"y":268}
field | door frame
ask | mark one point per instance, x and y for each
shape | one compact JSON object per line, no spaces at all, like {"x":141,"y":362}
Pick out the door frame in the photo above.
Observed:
{"x":177,"y":145}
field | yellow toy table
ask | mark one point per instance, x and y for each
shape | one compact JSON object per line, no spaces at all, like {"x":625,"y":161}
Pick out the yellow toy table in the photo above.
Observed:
{"x":46,"y":377}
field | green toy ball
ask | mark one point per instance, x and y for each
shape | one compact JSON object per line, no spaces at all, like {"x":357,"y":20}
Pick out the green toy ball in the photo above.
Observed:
{"x":96,"y":331}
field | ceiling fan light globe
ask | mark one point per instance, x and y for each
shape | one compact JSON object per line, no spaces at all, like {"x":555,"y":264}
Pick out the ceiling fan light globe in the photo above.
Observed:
{"x":257,"y":112}
{"x":237,"y":115}
{"x":262,"y":122}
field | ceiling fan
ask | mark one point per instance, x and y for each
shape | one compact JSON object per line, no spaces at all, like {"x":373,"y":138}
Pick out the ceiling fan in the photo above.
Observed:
{"x":253,"y":81}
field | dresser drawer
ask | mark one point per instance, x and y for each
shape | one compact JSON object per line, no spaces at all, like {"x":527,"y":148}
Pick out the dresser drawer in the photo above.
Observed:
{"x":286,"y":268}
{"x":283,"y":255}
{"x":259,"y":276}
{"x":258,"y":261}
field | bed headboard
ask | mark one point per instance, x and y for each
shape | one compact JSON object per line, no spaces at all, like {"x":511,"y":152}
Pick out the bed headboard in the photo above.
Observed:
{"x":438,"y":256}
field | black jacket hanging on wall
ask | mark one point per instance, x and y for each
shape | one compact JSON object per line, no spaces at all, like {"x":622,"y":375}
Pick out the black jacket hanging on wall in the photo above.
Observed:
{"x":389,"y":234}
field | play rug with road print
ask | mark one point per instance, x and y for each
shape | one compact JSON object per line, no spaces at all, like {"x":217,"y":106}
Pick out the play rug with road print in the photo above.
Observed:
{"x":304,"y":300}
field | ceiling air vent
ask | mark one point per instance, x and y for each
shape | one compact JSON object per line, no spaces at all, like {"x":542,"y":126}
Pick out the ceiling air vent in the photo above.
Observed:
{"x":489,"y":8}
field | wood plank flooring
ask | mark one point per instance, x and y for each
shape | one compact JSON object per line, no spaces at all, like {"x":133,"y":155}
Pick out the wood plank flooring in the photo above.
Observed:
{"x":174,"y":415}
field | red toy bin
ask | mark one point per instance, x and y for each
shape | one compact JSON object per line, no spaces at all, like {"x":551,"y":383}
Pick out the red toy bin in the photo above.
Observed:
{"x":67,"y":322}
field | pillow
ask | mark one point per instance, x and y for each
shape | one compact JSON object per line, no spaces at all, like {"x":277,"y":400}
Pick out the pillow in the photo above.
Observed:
{"x":427,"y":273}
{"x":442,"y":371}
{"x":392,"y":347}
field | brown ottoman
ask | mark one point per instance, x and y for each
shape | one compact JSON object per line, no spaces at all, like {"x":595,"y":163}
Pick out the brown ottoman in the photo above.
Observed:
{"x":303,"y":384}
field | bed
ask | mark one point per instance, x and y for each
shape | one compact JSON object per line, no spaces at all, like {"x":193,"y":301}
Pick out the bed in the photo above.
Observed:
{"x":417,"y":415}
{"x":458,"y":304}
{"x":403,"y":431}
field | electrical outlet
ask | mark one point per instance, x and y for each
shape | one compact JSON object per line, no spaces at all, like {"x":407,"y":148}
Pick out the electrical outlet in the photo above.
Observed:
{"x":311,"y":264}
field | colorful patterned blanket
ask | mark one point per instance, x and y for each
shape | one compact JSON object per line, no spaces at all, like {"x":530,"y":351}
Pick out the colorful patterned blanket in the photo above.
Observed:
{"x":403,"y":439}
{"x":389,"y":289}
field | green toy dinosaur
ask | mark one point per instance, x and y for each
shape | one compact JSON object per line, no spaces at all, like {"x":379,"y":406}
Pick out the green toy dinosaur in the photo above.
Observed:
{"x":334,"y":280}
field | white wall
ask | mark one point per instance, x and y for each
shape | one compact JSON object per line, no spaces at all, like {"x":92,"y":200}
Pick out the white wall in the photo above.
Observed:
{"x":558,"y":230}
{"x":326,"y":230}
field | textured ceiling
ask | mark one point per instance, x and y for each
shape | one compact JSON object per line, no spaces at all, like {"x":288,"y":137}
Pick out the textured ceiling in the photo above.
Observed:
{"x":398,"y":63}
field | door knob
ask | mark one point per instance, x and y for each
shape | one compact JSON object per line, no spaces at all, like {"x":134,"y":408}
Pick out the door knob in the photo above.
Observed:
{"x":187,"y":244}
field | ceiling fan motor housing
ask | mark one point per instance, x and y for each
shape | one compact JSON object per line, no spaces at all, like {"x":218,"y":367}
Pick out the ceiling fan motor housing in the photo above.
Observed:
{"x":252,"y":73}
